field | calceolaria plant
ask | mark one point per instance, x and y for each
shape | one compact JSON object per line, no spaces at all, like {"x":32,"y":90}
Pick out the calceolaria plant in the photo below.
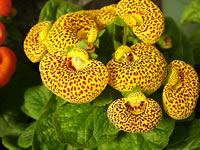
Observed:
{"x":110,"y":78}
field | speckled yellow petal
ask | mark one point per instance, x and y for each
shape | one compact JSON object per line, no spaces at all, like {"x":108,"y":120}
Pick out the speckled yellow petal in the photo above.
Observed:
{"x":72,"y":77}
{"x":181,"y":92}
{"x":35,"y":46}
{"x":122,"y":116}
{"x":144,"y":17}
{"x":103,"y":16}
{"x":143,"y":66}
{"x":70,"y":29}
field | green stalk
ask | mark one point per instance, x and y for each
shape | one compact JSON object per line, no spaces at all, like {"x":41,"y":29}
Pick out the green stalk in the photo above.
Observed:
{"x":125,"y":35}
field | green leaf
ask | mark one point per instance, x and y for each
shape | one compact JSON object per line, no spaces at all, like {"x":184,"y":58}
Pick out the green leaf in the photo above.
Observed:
{"x":157,"y":139}
{"x":191,"y":13}
{"x":135,"y":89}
{"x":12,"y":122}
{"x":106,"y":97}
{"x":10,"y":142}
{"x":44,"y":136}
{"x":106,"y":46}
{"x":53,"y":9}
{"x":189,"y":142}
{"x":101,"y":32}
{"x":195,"y":45}
{"x":172,"y":31}
{"x":60,"y":101}
{"x":188,"y":55}
{"x":25,"y":139}
{"x":69,"y":49}
{"x":35,"y":99}
{"x":96,"y":43}
{"x":117,"y":44}
{"x":178,"y":135}
{"x":119,"y":22}
{"x":82,"y":44}
{"x":93,"y":55}
{"x":83,"y":126}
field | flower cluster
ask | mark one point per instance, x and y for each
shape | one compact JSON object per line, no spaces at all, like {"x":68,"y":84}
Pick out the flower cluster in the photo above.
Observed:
{"x":69,"y":72}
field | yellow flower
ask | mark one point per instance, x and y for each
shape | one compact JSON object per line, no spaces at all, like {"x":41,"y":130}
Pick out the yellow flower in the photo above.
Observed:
{"x":139,"y":65}
{"x":35,"y":45}
{"x":70,"y":29}
{"x":103,"y":16}
{"x":73,"y":76}
{"x":136,"y":113}
{"x":144,"y":17}
{"x":181,"y":92}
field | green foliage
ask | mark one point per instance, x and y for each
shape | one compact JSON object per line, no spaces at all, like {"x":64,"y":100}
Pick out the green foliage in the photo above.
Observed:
{"x":82,"y":44}
{"x":10,"y":142}
{"x":44,"y":136}
{"x":195,"y":45}
{"x":93,"y":55}
{"x":53,"y":9}
{"x":83,"y":125}
{"x":120,"y":22}
{"x":173,"y":31}
{"x":25,"y":139}
{"x":106,"y":97}
{"x":35,"y":99}
{"x":191,"y":13}
{"x":12,"y":122}
{"x":186,"y":136}
{"x":157,"y":139}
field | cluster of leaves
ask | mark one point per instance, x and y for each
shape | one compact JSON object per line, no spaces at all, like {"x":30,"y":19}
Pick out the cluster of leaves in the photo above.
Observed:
{"x":51,"y":123}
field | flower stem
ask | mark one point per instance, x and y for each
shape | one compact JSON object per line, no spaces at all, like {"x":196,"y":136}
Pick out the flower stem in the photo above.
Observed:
{"x":125,"y":35}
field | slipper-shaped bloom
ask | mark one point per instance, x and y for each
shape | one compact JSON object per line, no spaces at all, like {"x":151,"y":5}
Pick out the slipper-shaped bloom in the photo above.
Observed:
{"x":73,"y":76}
{"x":139,"y":65}
{"x":103,"y":17}
{"x":136,"y":113}
{"x":181,"y":92}
{"x":144,"y":17}
{"x":35,"y":45}
{"x":70,"y":29}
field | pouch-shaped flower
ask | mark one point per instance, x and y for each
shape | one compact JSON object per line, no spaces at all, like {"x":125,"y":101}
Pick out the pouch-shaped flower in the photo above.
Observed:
{"x":103,"y":17}
{"x":139,"y":65}
{"x":73,"y":76}
{"x":136,"y":113}
{"x":70,"y":29}
{"x":35,"y":44}
{"x":181,"y":92}
{"x":144,"y":17}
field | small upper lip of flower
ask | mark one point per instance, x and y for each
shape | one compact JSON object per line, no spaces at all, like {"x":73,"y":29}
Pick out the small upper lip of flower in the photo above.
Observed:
{"x":181,"y":92}
{"x":103,"y":16}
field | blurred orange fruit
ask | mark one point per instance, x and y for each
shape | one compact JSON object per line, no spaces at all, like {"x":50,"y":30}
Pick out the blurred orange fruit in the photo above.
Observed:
{"x":7,"y":65}
{"x":5,"y":7}
{"x":2,"y":33}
